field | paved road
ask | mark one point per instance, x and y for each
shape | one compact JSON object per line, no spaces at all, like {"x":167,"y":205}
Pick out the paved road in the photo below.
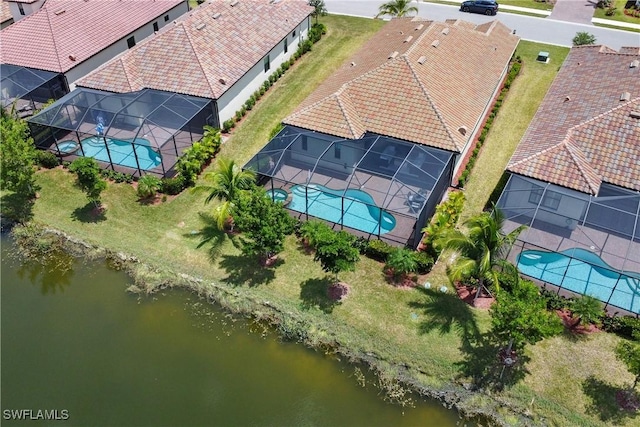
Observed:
{"x":529,"y":28}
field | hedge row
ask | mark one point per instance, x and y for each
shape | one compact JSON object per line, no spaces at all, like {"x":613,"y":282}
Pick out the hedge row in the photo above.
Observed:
{"x":315,"y":34}
{"x":513,"y":73}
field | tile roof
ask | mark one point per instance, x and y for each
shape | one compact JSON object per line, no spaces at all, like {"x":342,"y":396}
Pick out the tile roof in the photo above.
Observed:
{"x":5,"y":11}
{"x":65,"y":29}
{"x":201,"y":55}
{"x":585,"y":114}
{"x":416,"y":80}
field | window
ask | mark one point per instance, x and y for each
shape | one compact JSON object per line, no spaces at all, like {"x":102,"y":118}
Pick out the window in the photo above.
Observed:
{"x":267,"y":63}
{"x":155,"y":26}
{"x":131,"y":42}
{"x":166,"y":18}
{"x":304,"y":144}
{"x":552,"y":200}
{"x":337,"y":151}
{"x":21,"y":9}
{"x":293,"y":34}
{"x":535,"y":196}
{"x":286,"y":46}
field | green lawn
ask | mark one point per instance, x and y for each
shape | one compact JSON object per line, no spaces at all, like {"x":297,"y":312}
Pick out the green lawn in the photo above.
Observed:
{"x":618,"y":15}
{"x":422,"y":330}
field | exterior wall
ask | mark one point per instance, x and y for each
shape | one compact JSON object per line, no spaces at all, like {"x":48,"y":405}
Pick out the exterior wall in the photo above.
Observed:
{"x":233,"y":99}
{"x":28,"y":8}
{"x":120,"y":46}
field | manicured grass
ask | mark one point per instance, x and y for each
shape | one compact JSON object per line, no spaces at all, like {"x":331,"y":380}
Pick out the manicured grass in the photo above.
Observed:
{"x":616,"y":27}
{"x":618,"y":14}
{"x":423,"y":330}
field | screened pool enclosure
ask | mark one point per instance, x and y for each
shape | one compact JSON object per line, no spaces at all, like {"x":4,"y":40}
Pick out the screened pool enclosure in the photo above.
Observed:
{"x":139,"y":132}
{"x":29,"y":89}
{"x":375,"y":186}
{"x":577,"y":242}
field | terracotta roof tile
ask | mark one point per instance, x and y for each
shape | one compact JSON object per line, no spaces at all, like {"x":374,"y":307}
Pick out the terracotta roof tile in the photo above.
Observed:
{"x":48,"y":39}
{"x":199,"y":52}
{"x":401,"y":97}
{"x":5,"y":12}
{"x":583,"y":110}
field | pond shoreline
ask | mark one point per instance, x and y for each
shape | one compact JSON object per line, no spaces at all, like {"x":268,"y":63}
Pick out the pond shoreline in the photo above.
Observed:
{"x":394,"y":379}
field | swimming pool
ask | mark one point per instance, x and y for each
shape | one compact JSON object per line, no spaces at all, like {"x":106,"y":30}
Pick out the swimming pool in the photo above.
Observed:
{"x":583,"y":272}
{"x":278,"y":195}
{"x":122,"y":152}
{"x":360,"y":210}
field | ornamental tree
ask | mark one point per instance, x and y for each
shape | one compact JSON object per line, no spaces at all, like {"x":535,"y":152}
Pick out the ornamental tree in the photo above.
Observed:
{"x":88,"y":178}
{"x":17,"y":157}
{"x":263,"y":222}
{"x":336,"y":252}
{"x":629,"y":354}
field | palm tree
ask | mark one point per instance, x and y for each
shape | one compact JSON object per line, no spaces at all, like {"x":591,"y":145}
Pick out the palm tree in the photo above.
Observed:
{"x":320,"y":9}
{"x":479,"y":251}
{"x":586,"y":308}
{"x":396,"y":8}
{"x":228,"y":180}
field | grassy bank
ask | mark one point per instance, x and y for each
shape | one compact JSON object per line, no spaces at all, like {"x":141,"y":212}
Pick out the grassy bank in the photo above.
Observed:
{"x":415,"y":333}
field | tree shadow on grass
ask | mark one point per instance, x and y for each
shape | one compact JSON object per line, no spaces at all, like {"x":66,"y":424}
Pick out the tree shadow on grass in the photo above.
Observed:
{"x":315,"y":293}
{"x":17,"y":207}
{"x":604,"y":401}
{"x":243,"y":269}
{"x":89,"y":213}
{"x":209,"y":235}
{"x":446,"y":312}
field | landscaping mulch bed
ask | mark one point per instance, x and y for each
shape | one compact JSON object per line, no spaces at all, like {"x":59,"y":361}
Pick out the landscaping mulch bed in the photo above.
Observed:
{"x":570,"y":324}
{"x":338,"y":291}
{"x":468,"y":295}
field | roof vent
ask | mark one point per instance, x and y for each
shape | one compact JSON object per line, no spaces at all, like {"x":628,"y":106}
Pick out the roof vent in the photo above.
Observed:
{"x":435,"y":43}
{"x":216,"y":15}
{"x":353,"y":64}
{"x":462,"y":130}
{"x":201,"y":26}
{"x":393,"y":54}
{"x":634,"y":64}
{"x":634,"y":114}
{"x":625,"y":96}
{"x":222,"y":81}
{"x":408,"y":39}
{"x":72,"y":58}
{"x":59,"y":12}
{"x":422,"y":60}
{"x":419,"y":27}
{"x":234,"y":2}
{"x":567,"y":98}
{"x":445,"y":31}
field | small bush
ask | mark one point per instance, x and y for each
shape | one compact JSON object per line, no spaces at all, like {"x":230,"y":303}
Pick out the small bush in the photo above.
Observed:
{"x":424,"y":262}
{"x":228,"y":125}
{"x":148,"y":185}
{"x":47,"y":159}
{"x":378,"y":250}
{"x":172,"y":186}
{"x":625,"y":326}
{"x":275,"y":131}
{"x":238,"y":115}
{"x":272,"y":79}
{"x":262,"y":90}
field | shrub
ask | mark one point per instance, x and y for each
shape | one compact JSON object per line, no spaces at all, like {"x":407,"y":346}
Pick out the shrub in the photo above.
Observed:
{"x":402,"y":261}
{"x":378,"y":250}
{"x":238,"y":115}
{"x":46,"y":159}
{"x":625,"y":326}
{"x":424,"y":262}
{"x":583,"y":38}
{"x":266,"y":85}
{"x":445,"y":217}
{"x":148,"y":185}
{"x":272,"y":79}
{"x":172,"y":186}
{"x":275,"y":131}
{"x":292,"y":61}
{"x":228,"y":125}
{"x":262,"y":90}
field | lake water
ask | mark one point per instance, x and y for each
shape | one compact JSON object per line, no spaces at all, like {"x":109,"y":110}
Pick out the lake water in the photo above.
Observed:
{"x":79,"y":342}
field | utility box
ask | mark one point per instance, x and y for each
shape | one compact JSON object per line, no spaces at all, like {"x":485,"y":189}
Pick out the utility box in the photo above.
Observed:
{"x":543,"y":57}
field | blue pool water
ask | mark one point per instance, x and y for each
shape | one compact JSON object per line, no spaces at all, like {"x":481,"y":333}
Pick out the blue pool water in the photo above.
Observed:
{"x":122,"y":152}
{"x":583,"y":272}
{"x":278,"y":195}
{"x":360,"y":210}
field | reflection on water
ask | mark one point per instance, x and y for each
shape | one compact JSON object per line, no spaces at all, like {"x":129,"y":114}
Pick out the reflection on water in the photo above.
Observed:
{"x":75,"y":340}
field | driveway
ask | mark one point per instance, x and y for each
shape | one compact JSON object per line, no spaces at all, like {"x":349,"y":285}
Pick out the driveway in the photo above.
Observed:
{"x":579,"y":11}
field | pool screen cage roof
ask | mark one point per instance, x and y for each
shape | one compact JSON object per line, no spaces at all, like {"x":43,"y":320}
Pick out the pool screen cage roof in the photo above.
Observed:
{"x":560,"y":220}
{"x":404,"y":179}
{"x":164,"y":121}
{"x":21,"y":82}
